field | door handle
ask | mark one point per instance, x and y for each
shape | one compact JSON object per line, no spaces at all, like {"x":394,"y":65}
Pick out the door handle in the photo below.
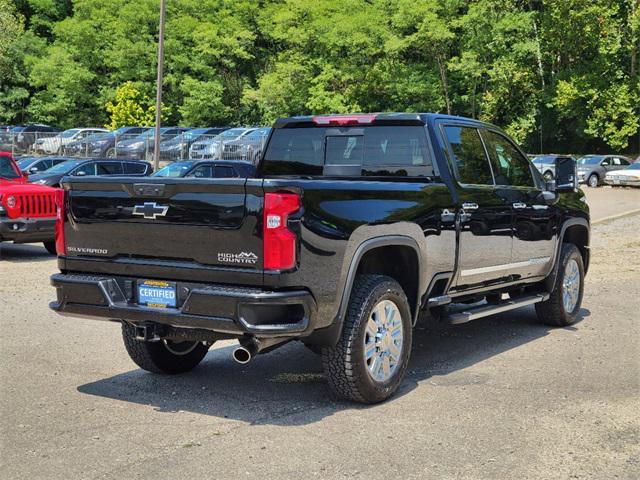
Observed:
{"x":447,"y":217}
{"x":470,"y":206}
{"x":519,"y":205}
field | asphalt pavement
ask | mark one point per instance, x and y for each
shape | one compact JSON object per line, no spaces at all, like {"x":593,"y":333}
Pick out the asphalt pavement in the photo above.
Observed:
{"x":498,"y":398}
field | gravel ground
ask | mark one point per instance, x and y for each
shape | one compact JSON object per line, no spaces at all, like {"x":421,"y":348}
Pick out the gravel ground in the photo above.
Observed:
{"x":499,"y":398}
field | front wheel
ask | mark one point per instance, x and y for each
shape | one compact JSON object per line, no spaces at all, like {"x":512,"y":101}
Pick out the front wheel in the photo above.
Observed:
{"x":164,"y":356}
{"x":593,"y":181}
{"x":370,"y":359}
{"x":548,"y":175}
{"x":563,"y":305}
{"x":111,"y":153}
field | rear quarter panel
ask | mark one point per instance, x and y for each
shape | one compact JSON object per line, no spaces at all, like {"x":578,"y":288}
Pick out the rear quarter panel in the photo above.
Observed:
{"x":339,"y":214}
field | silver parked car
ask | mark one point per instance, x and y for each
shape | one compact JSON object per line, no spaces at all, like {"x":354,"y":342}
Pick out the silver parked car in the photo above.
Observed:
{"x":546,"y":164}
{"x":211,"y":149}
{"x":592,"y":169}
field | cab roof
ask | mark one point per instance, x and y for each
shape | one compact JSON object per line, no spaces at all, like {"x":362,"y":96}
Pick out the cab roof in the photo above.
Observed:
{"x":355,"y":119}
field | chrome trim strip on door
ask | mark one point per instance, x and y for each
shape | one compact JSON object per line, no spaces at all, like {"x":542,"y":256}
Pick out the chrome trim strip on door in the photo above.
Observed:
{"x":505,"y":266}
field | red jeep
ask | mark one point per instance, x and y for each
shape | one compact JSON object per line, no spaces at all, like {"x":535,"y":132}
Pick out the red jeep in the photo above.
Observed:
{"x":27,"y":211}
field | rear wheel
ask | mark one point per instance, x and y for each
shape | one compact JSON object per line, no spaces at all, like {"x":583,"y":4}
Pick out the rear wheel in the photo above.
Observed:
{"x":370,"y":359}
{"x":164,"y":356}
{"x":110,"y":153}
{"x":593,"y":181}
{"x":51,"y":247}
{"x":563,"y":305}
{"x":548,"y":175}
{"x":317,"y":349}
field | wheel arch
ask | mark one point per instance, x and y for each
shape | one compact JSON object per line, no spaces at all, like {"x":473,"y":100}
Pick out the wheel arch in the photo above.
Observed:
{"x":398,"y":261}
{"x":576,"y":231}
{"x":372,"y":250}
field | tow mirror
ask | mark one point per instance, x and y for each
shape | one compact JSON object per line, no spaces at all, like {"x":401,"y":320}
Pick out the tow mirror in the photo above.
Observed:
{"x":566,"y":174}
{"x":550,"y":185}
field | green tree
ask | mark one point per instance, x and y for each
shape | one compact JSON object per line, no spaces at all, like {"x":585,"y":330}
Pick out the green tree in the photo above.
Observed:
{"x":558,"y":75}
{"x":133,"y":108}
{"x":13,"y":84}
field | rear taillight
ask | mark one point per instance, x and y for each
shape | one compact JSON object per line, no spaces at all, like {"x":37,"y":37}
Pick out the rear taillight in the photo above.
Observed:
{"x":60,"y":214}
{"x":279,"y":241}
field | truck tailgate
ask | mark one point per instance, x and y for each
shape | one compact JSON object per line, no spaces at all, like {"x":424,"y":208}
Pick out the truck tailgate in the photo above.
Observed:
{"x":201,"y":222}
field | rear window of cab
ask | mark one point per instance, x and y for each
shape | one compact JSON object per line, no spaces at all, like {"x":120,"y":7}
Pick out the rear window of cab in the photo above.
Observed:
{"x":348,"y":151}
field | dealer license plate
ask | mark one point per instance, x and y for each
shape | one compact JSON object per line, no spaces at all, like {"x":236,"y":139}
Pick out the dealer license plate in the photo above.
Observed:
{"x":154,"y":293}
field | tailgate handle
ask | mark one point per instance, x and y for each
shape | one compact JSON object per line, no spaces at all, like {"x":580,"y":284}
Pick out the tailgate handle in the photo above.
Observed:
{"x":148,"y":189}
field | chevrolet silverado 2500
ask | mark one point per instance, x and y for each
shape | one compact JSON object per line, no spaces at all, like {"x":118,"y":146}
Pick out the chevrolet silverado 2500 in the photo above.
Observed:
{"x":352,"y":226}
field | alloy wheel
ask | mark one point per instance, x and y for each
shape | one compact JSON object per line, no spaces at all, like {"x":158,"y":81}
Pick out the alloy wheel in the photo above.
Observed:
{"x":571,"y":286}
{"x":383,"y":341}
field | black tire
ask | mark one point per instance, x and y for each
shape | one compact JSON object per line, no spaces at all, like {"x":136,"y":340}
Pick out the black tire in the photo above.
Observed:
{"x":317,"y":349}
{"x":110,"y":153}
{"x":593,"y":180}
{"x":345,"y":365}
{"x":51,"y":247}
{"x":157,"y":358}
{"x":548,"y":175}
{"x":552,"y":312}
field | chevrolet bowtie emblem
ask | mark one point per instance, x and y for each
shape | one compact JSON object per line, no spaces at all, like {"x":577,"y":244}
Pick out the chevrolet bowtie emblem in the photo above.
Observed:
{"x":151,"y":210}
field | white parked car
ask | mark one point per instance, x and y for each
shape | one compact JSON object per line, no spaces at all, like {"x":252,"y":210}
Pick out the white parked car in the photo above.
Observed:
{"x":211,"y":149}
{"x":628,"y":177}
{"x":56,"y":144}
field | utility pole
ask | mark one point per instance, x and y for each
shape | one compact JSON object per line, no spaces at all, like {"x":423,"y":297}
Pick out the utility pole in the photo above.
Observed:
{"x":156,"y":143}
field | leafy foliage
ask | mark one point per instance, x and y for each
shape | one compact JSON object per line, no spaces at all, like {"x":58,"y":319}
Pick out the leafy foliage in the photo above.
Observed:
{"x":558,"y":75}
{"x":132,"y":108}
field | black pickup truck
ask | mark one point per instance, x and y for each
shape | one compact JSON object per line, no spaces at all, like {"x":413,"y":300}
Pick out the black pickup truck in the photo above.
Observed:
{"x":352,"y":227}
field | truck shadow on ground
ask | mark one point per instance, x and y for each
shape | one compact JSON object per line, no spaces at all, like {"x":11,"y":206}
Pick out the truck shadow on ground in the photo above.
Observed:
{"x":287,"y":386}
{"x":22,"y":253}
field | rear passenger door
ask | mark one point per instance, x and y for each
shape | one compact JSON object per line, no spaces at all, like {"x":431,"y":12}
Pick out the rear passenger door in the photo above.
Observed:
{"x":618,"y":163}
{"x":485,"y":217}
{"x":535,"y":226}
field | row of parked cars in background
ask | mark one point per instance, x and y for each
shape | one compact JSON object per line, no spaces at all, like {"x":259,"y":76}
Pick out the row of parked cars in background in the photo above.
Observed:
{"x":138,"y":143}
{"x":595,"y":170}
{"x":50,"y":170}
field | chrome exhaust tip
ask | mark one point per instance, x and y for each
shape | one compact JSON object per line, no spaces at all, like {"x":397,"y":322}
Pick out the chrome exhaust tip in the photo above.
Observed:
{"x":242,"y":355}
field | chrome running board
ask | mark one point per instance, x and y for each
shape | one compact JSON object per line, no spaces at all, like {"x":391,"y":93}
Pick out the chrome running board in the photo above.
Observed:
{"x":475,"y":312}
